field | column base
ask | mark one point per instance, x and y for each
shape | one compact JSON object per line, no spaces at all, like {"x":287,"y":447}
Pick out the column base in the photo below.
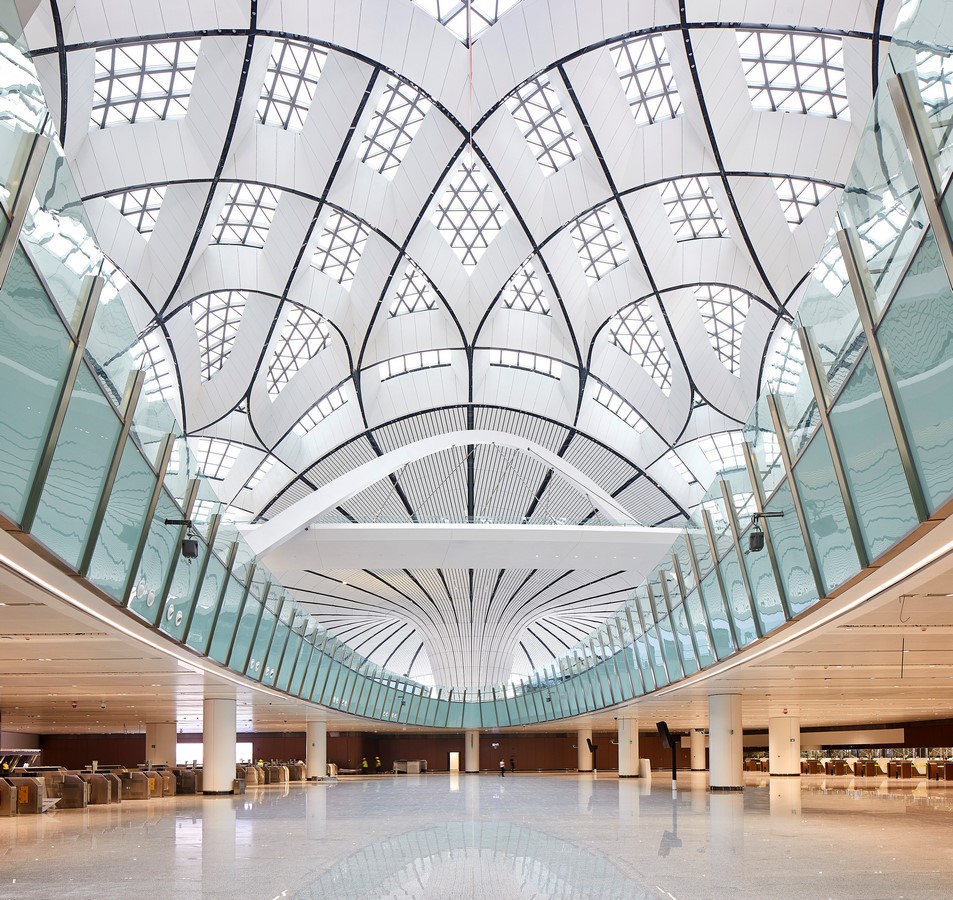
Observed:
{"x":718,"y":788}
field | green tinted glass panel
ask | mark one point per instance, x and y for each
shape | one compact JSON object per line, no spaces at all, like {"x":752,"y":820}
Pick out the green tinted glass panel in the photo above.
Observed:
{"x":825,"y":514}
{"x":161,"y":549}
{"x":78,"y":471}
{"x":199,"y":630}
{"x":917,"y":336}
{"x":122,"y":525}
{"x":872,"y":461}
{"x":34,"y":355}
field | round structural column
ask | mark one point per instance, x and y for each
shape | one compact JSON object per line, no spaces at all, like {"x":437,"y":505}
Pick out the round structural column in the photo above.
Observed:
{"x":471,"y":753}
{"x":784,"y":745}
{"x":160,"y":743}
{"x":628,"y":748}
{"x":218,"y":736}
{"x":698,"y":750}
{"x":725,"y":743}
{"x":317,"y":750}
{"x":584,"y":755}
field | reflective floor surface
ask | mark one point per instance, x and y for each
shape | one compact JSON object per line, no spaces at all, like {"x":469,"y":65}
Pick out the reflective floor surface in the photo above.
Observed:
{"x":514,"y":838}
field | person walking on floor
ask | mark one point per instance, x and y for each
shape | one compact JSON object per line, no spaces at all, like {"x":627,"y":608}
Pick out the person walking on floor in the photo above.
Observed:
{"x":502,"y":769}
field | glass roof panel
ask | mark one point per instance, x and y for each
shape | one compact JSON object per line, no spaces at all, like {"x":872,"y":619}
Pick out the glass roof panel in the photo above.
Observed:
{"x":293,"y":72}
{"x":469,"y":216}
{"x":340,"y":246}
{"x":247,"y":214}
{"x":691,"y":208}
{"x":524,"y":291}
{"x":140,"y":206}
{"x":214,"y":457}
{"x":795,"y":72}
{"x":619,"y":406}
{"x":413,"y":294}
{"x":303,"y":336}
{"x":217,"y":317}
{"x":396,"y":120}
{"x":647,"y":79}
{"x":540,"y":116}
{"x":634,"y":331}
{"x":724,"y":310}
{"x":332,"y":400}
{"x":598,"y":243}
{"x":799,"y":196}
{"x":138,"y":82}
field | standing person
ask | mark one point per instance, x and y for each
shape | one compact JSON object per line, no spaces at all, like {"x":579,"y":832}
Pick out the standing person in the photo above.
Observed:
{"x":502,"y":769}
{"x":378,"y":768}
{"x":512,"y":764}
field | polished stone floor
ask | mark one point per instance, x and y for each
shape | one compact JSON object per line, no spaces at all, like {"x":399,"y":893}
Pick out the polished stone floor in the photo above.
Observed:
{"x":443,"y":837}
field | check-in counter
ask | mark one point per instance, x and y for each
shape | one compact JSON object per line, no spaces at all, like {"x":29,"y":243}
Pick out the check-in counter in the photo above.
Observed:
{"x":8,"y":799}
{"x":135,"y":784}
{"x":31,"y":794}
{"x":100,"y":788}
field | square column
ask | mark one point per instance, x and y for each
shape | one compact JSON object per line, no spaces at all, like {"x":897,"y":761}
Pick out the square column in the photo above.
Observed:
{"x":628,"y":748}
{"x":316,"y":749}
{"x":784,"y":745}
{"x":726,"y":743}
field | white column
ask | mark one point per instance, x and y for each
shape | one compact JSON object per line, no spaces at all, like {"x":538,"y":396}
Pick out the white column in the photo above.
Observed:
{"x":471,"y":752}
{"x":725,"y":743}
{"x":160,"y":743}
{"x":316,"y":747}
{"x":628,"y":748}
{"x":584,"y":757}
{"x":784,"y":745}
{"x":218,"y":736}
{"x":698,"y":750}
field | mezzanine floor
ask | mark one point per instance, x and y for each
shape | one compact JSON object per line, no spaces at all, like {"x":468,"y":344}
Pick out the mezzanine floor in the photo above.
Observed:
{"x":526,"y":836}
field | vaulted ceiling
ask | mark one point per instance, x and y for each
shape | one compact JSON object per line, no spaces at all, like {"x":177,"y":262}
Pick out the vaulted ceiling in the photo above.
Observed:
{"x":350,"y":227}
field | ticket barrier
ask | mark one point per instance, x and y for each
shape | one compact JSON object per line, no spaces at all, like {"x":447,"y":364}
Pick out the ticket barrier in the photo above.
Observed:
{"x":100,"y":788}
{"x":31,"y":795}
{"x":184,"y":781}
{"x":71,"y":790}
{"x":8,"y":799}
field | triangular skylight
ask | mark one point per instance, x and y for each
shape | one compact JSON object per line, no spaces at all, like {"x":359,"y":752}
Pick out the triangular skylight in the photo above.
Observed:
{"x":798,"y":197}
{"x":796,"y":72}
{"x":214,"y":457}
{"x":138,"y":82}
{"x":540,"y":116}
{"x":635,"y":332}
{"x":304,"y":335}
{"x":332,"y":400}
{"x":392,"y":127}
{"x":467,"y":20}
{"x":414,"y":293}
{"x":598,"y":243}
{"x":149,"y":356}
{"x":340,"y":246}
{"x":647,"y":79}
{"x":469,"y":216}
{"x":247,"y":214}
{"x":724,"y":310}
{"x":140,"y":206}
{"x":616,"y":404}
{"x":288,"y":89}
{"x":217,"y":317}
{"x":691,"y":209}
{"x":524,"y":291}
